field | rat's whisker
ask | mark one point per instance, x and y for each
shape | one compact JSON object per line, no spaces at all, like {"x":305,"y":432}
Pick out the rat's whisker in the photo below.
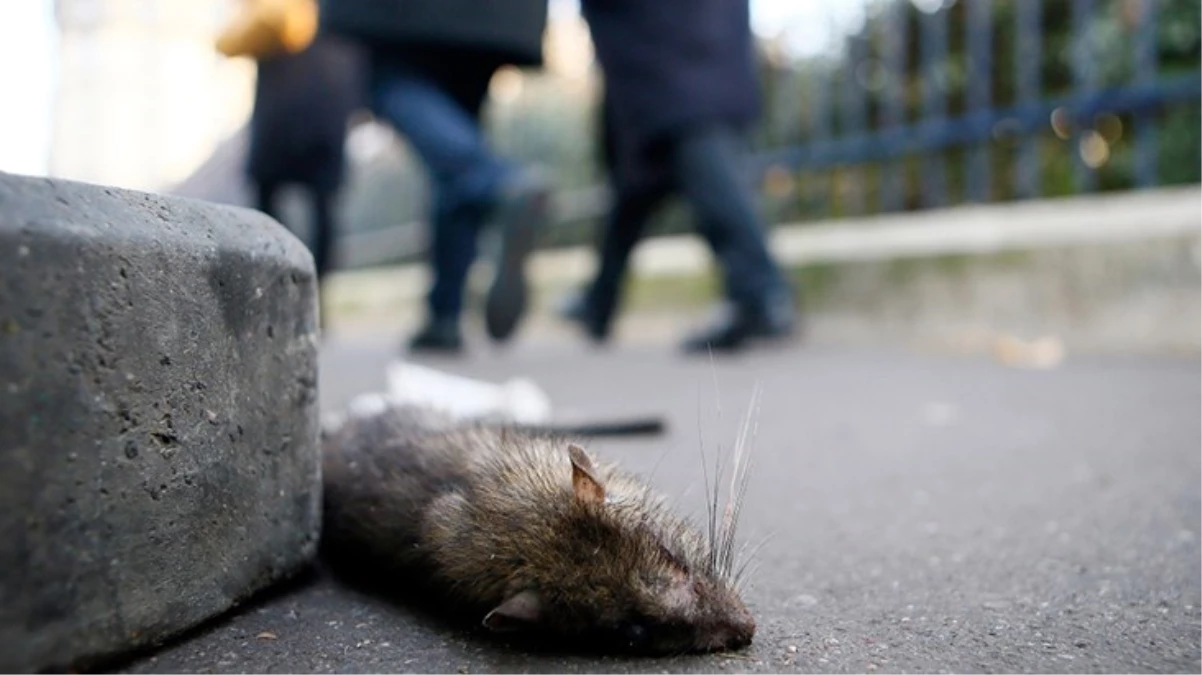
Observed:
{"x":739,"y":479}
{"x":711,"y":515}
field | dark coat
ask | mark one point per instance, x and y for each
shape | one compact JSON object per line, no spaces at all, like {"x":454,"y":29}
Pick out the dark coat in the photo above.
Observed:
{"x":511,"y":30}
{"x":668,"y":65}
{"x":303,"y":103}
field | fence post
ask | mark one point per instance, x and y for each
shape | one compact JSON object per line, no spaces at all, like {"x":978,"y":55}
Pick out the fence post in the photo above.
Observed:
{"x":934,"y":103}
{"x":853,"y":113}
{"x":892,"y":111}
{"x":820,"y":123}
{"x":1028,"y":59}
{"x":784,"y":113}
{"x":1145,"y":72}
{"x":980,"y":84}
{"x":1085,"y":76}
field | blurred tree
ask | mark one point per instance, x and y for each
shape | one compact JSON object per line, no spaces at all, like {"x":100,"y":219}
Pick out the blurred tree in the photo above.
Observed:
{"x":796,"y":93}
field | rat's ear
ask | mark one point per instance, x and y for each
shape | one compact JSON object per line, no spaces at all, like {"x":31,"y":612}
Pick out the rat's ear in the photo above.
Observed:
{"x":516,"y":613}
{"x":585,"y":483}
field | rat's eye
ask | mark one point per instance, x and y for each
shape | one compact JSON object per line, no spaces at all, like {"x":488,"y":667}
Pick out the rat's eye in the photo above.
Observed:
{"x":635,"y":634}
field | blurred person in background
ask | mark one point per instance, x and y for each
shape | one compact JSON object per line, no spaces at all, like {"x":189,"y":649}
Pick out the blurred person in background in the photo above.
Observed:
{"x":680,"y":89}
{"x":307,"y":87}
{"x":431,"y":63}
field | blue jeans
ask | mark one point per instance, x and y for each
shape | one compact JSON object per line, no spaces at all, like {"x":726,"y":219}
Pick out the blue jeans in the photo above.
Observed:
{"x":439,"y":114}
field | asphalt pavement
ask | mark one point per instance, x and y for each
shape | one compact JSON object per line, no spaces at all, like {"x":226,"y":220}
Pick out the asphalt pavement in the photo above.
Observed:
{"x":917,"y":513}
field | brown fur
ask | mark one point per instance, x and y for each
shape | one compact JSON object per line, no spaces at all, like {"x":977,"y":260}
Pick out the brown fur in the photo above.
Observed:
{"x":526,"y":532}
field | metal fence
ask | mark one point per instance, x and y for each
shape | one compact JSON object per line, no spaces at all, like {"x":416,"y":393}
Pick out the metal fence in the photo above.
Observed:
{"x":839,"y":92}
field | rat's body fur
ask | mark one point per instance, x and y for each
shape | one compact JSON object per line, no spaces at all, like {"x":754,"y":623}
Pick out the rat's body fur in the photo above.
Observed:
{"x":525,"y":532}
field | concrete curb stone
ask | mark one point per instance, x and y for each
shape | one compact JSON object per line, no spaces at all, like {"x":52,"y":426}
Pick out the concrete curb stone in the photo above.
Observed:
{"x":158,"y":416}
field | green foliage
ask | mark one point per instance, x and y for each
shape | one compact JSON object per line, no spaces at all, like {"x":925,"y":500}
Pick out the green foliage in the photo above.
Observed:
{"x":791,"y":89}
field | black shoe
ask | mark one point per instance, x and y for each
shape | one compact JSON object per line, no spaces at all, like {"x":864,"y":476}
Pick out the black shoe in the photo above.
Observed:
{"x":523,"y":210}
{"x":737,"y":327}
{"x":575,"y":309}
{"x":438,"y":336}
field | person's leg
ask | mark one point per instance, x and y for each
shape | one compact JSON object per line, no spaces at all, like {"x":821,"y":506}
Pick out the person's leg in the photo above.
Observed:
{"x":640,"y":179}
{"x":624,"y":227}
{"x":438,"y":110}
{"x":709,"y":166}
{"x":322,"y":201}
{"x":321,"y":238}
{"x":442,"y":125}
{"x":267,"y":198}
{"x":519,"y":206}
{"x":440,"y":120}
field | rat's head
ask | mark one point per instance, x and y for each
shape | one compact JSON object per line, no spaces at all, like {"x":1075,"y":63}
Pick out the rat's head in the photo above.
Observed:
{"x":625,"y":574}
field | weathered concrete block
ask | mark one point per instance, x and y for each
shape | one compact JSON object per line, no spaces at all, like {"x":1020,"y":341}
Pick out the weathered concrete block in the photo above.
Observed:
{"x":158,"y":416}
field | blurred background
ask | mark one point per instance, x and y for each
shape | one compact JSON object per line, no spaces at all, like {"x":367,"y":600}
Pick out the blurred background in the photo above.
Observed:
{"x":1014,"y":178}
{"x":861,"y":94}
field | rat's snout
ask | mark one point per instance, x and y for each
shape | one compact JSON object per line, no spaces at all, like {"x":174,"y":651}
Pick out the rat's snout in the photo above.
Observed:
{"x":742,"y":630}
{"x":734,"y":632}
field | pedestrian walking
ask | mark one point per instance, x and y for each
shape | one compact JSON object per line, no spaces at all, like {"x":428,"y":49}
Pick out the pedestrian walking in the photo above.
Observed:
{"x":431,"y":62}
{"x":680,"y":90}
{"x":307,"y":87}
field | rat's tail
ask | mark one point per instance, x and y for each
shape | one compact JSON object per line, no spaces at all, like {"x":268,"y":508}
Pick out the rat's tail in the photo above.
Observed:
{"x":635,"y":426}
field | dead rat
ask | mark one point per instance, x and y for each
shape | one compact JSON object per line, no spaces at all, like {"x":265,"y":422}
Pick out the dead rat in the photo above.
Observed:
{"x":526,"y":532}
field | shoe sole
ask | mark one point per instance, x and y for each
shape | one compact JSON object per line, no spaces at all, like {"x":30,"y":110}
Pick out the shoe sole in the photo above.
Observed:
{"x":507,"y":297}
{"x":752,"y":342}
{"x":431,"y":349}
{"x":417,"y":347}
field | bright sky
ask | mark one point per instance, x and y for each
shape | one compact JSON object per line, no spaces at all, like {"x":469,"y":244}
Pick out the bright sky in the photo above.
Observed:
{"x":27,"y":65}
{"x":28,"y":53}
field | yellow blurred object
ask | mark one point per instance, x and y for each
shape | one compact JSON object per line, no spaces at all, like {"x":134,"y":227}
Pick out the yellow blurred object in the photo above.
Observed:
{"x":266,"y":27}
{"x":1041,"y":354}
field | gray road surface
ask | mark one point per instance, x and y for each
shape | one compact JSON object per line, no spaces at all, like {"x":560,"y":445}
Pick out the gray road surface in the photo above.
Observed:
{"x":921,"y":514}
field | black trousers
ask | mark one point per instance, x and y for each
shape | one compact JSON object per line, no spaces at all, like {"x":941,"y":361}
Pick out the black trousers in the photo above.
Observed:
{"x":321,"y":201}
{"x":705,"y":166}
